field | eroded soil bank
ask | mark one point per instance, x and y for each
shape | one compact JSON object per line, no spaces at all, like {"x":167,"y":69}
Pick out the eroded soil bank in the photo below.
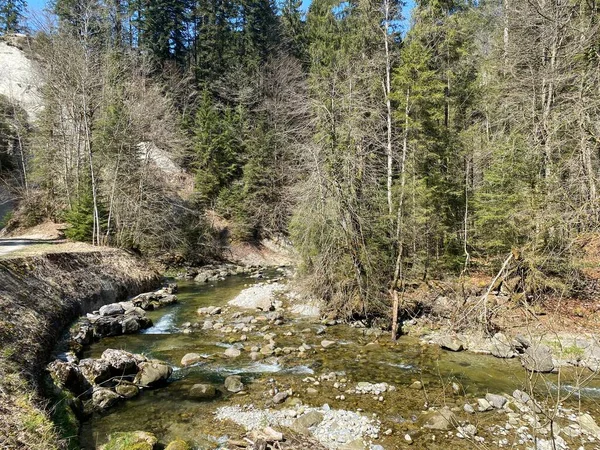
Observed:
{"x":39,"y":297}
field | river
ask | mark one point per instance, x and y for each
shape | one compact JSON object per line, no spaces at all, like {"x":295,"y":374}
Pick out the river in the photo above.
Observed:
{"x":170,"y":413}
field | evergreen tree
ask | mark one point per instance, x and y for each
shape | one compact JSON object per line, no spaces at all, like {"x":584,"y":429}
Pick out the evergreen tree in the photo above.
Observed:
{"x":11,"y":16}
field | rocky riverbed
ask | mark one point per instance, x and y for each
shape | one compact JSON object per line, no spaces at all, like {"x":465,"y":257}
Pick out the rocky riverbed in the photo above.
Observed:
{"x":251,"y":371}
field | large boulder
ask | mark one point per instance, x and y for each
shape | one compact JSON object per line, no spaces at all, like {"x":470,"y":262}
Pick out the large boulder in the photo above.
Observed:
{"x":114,"y":309}
{"x":103,"y":398}
{"x":538,"y":358}
{"x":95,"y":371}
{"x":130,"y":325}
{"x":153,"y":373}
{"x":69,"y":376}
{"x":107,"y":326}
{"x":122,"y":362}
{"x":501,"y":346}
{"x":260,"y":297}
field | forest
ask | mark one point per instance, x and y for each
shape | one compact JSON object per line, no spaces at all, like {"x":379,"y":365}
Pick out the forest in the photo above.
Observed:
{"x":388,"y":153}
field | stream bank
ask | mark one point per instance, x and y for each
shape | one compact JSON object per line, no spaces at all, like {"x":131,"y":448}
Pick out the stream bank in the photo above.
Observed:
{"x":39,"y":297}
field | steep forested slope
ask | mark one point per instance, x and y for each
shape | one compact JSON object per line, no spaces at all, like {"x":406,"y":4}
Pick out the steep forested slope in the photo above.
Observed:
{"x":389,"y":156}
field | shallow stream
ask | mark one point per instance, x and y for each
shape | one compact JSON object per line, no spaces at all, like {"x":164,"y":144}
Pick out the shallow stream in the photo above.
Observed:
{"x":169,"y":413}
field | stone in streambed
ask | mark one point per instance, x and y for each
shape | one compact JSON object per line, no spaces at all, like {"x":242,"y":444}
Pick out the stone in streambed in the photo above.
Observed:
{"x":127,"y":390}
{"x":114,"y":309}
{"x":121,"y":362}
{"x":190,"y":358}
{"x":138,"y":440}
{"x":232,"y":352}
{"x":497,"y":401}
{"x":538,"y":358}
{"x":442,"y":420}
{"x":96,"y":371}
{"x":203,"y":391}
{"x":178,"y":444}
{"x":280,"y":397}
{"x":326,"y":343}
{"x":103,"y":398}
{"x":234,"y":383}
{"x":153,"y":373}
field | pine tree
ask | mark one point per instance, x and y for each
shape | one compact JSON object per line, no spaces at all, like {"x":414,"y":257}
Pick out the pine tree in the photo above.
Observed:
{"x":11,"y":16}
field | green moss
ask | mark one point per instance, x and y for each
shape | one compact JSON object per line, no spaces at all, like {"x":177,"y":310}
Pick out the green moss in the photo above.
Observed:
{"x":136,"y":440}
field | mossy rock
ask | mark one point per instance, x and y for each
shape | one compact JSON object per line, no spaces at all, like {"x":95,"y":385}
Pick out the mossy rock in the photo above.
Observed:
{"x":134,"y":440}
{"x":178,"y":444}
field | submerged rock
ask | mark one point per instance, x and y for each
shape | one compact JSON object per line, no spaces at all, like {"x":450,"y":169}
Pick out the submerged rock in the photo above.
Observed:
{"x":203,"y":391}
{"x":232,"y":352}
{"x":442,"y":420}
{"x":178,"y":444}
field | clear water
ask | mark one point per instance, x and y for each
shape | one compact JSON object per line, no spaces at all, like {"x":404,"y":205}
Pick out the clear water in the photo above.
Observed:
{"x":170,"y":413}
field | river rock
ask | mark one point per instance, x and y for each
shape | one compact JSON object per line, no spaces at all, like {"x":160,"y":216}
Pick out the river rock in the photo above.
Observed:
{"x":167,"y":300}
{"x":96,"y":371}
{"x":127,"y":390}
{"x":130,"y":325}
{"x":153,"y":373}
{"x":178,"y":444}
{"x":103,"y":398}
{"x":310,"y":419}
{"x":107,"y":326}
{"x":259,"y":296}
{"x":357,"y":444}
{"x":135,"y":311}
{"x":587,"y":423}
{"x":442,"y":420}
{"x":501,"y":346}
{"x":232,"y":352}
{"x":267,"y":434}
{"x":538,"y":358}
{"x":191,"y":358}
{"x":497,"y":401}
{"x":114,"y":309}
{"x":69,"y":376}
{"x":209,"y":311}
{"x":452,"y":344}
{"x":121,"y":362}
{"x":138,"y":440}
{"x":484,"y":405}
{"x":326,"y":343}
{"x":280,"y":397}
{"x":234,"y":383}
{"x":203,"y":391}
